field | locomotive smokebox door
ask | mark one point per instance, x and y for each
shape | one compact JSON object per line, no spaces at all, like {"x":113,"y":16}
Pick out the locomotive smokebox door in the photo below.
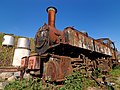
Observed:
{"x":34,"y":62}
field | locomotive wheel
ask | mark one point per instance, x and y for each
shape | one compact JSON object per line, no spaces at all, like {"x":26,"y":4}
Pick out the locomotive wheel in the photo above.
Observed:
{"x":51,"y":69}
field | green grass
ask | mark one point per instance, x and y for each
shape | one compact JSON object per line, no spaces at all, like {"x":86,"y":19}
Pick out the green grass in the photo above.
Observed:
{"x":115,"y":72}
{"x":77,"y":81}
{"x":114,"y":75}
{"x":25,"y":84}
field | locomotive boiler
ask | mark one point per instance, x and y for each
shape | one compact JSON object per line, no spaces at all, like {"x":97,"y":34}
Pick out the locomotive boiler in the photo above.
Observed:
{"x":59,"y":53}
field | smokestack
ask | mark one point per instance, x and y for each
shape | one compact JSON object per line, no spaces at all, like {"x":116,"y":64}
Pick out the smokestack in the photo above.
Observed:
{"x":51,"y":15}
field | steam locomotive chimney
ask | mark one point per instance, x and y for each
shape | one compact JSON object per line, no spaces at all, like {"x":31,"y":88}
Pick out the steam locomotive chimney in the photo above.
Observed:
{"x":51,"y":15}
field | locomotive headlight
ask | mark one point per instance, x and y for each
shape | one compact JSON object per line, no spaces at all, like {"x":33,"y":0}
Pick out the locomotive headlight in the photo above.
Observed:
{"x":43,"y":34}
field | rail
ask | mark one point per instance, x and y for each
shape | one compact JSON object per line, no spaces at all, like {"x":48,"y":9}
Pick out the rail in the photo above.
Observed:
{"x":8,"y":69}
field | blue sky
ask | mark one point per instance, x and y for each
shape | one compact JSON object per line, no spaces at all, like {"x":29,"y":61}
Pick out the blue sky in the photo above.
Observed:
{"x":100,"y":18}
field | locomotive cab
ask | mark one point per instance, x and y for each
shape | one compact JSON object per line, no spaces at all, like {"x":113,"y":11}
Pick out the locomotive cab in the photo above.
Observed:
{"x":111,"y":45}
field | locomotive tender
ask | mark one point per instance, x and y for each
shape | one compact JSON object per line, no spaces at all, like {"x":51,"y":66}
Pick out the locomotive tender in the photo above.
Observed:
{"x":59,"y":53}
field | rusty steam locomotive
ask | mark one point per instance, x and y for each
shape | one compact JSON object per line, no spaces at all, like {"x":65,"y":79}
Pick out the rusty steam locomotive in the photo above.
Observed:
{"x":59,"y":53}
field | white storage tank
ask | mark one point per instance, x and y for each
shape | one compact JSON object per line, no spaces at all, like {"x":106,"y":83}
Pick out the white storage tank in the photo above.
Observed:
{"x":23,"y":43}
{"x":8,"y":40}
{"x":18,"y":54}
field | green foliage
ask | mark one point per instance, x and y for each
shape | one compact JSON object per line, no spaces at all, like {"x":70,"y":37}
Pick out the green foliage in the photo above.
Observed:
{"x":115,"y":71}
{"x":25,"y":84}
{"x":97,"y":73}
{"x":77,"y":81}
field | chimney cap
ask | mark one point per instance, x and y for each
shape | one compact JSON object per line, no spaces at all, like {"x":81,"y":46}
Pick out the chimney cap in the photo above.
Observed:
{"x":51,"y":8}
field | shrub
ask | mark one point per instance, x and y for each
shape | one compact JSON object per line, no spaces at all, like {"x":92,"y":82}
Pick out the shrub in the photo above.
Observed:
{"x":115,"y":71}
{"x":77,"y":81}
{"x":25,"y":84}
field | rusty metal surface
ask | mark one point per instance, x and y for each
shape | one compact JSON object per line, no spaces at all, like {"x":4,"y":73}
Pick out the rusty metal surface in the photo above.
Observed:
{"x":46,"y":37}
{"x":102,"y":48}
{"x":57,"y":68}
{"x":24,"y":62}
{"x":51,"y":70}
{"x":41,"y":39}
{"x":55,"y":36}
{"x":81,"y":40}
{"x":65,"y":67}
{"x":34,"y":62}
{"x":110,"y":47}
{"x":72,"y":37}
{"x":51,"y":15}
{"x":78,"y":39}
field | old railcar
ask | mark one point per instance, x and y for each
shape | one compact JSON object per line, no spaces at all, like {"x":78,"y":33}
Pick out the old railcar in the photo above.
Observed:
{"x":59,"y":53}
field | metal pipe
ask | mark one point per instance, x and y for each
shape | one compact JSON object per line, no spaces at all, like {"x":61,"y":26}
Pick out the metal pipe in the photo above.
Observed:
{"x":51,"y":15}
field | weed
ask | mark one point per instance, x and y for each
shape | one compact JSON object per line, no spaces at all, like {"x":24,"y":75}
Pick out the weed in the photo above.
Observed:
{"x":115,"y":71}
{"x":77,"y":81}
{"x":25,"y":84}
